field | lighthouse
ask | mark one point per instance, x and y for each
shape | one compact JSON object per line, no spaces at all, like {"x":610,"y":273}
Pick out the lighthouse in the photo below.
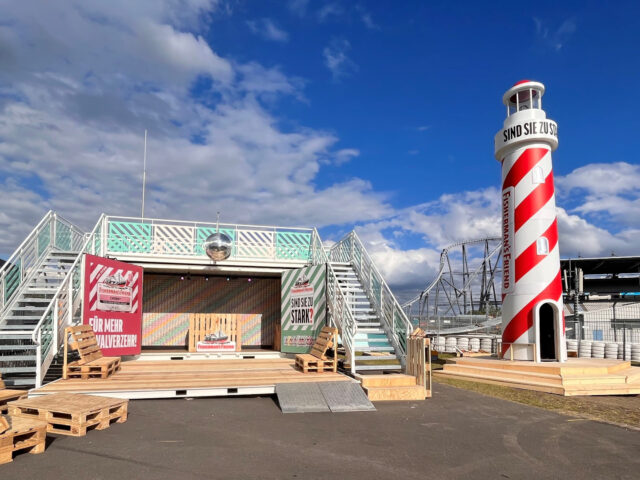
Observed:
{"x":532,"y":314}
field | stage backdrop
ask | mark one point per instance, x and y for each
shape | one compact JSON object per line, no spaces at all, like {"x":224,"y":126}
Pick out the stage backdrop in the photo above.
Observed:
{"x":168,"y":301}
{"x":304,"y":306}
{"x":113,"y":304}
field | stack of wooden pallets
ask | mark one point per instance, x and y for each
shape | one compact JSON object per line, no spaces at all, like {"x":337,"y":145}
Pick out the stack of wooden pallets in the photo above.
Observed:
{"x":30,"y":419}
{"x":91,"y":363}
{"x":317,"y":360}
{"x":21,"y":434}
{"x":72,"y":413}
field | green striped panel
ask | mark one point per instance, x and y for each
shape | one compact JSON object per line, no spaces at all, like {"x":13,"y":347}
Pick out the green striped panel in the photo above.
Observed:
{"x":63,"y":236}
{"x":300,"y":338}
{"x":293,"y":245}
{"x":11,"y":280}
{"x":129,"y":237}
{"x":44,"y":238}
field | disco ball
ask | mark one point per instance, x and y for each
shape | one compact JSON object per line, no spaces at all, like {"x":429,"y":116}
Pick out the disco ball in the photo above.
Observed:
{"x":218,"y":246}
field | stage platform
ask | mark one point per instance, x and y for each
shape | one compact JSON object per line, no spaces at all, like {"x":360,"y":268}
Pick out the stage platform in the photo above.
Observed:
{"x":576,"y":376}
{"x":192,"y":377}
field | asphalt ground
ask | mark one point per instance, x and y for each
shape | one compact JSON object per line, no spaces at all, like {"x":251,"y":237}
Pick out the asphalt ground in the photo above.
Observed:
{"x":455,"y":434}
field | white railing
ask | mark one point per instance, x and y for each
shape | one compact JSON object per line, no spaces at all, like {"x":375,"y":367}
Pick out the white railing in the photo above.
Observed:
{"x":130,"y":236}
{"x":393,"y":318}
{"x":51,"y":232}
{"x":340,"y":315}
{"x":65,"y":306}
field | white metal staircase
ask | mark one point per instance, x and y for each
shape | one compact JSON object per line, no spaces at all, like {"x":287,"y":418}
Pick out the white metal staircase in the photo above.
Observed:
{"x":372,"y":348}
{"x":373,"y":327}
{"x":30,"y":283}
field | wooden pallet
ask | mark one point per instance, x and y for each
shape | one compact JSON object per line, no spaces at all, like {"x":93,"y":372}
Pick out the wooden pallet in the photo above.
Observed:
{"x":317,"y":360}
{"x":101,"y":368}
{"x":22,"y":434}
{"x":308,"y":363}
{"x":7,"y":396}
{"x":72,"y":413}
{"x":91,"y":363}
{"x":4,"y":424}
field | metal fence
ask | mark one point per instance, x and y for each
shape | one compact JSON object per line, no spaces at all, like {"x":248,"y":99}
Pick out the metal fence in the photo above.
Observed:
{"x":619,"y":323}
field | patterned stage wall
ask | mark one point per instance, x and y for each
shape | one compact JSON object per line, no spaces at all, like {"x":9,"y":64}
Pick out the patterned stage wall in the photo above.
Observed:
{"x":167,"y":302}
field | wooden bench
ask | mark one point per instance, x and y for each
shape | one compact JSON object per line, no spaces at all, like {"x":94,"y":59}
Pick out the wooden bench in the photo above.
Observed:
{"x":9,"y":395}
{"x":317,"y":360}
{"x":91,"y":363}
{"x":203,"y":324}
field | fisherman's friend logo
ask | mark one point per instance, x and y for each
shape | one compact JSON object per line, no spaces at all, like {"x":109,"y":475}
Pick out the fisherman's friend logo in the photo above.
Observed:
{"x":302,"y":302}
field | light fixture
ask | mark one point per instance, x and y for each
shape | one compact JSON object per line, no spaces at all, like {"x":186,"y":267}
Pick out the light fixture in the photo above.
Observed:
{"x":181,"y":277}
{"x":227,"y":279}
{"x":206,"y":278}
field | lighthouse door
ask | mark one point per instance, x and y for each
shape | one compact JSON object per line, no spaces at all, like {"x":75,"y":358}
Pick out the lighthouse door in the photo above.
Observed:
{"x":547,"y":326}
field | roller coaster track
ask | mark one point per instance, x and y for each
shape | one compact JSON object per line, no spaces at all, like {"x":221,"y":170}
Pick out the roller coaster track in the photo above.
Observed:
{"x":458,"y":291}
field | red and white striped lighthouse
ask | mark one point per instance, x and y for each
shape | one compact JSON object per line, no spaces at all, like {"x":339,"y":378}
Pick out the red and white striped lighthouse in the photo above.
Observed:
{"x":532,"y":315}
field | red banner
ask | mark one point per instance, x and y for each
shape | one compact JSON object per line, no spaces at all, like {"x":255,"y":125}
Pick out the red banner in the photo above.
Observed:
{"x":113,"y":304}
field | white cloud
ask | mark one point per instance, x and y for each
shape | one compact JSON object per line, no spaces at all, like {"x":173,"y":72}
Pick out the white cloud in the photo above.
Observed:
{"x":81,"y":83}
{"x":298,"y":7}
{"x":366,"y":18}
{"x":337,"y":60}
{"x":331,"y":9}
{"x":267,"y":29}
{"x":608,"y":190}
{"x":554,"y":38}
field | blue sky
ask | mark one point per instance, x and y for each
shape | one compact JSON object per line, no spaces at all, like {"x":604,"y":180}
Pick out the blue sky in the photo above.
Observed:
{"x":374,"y":115}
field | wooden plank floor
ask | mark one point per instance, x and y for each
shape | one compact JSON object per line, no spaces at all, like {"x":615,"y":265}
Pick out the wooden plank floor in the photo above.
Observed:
{"x":150,"y":376}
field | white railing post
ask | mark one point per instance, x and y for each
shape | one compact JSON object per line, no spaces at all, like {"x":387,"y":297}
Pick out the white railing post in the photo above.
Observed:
{"x":56,"y":319}
{"x":103,"y":236}
{"x":53,"y":230}
{"x":39,"y":360}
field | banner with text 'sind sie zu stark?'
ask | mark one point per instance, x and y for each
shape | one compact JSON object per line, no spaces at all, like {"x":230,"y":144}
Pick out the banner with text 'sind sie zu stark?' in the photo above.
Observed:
{"x":113,"y":304}
{"x":304,"y":306}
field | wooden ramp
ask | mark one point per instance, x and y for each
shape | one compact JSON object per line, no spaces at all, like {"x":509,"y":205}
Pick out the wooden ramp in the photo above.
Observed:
{"x":191,"y":378}
{"x":576,"y":376}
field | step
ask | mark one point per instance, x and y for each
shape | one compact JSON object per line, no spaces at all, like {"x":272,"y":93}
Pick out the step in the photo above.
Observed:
{"x":389,"y":394}
{"x":22,"y":317}
{"x":364,"y":324}
{"x":18,"y":327}
{"x":23,"y":336}
{"x":5,"y":370}
{"x":29,"y":309}
{"x":517,"y":383}
{"x":34,"y":300}
{"x":17,"y":358}
{"x":378,"y":367}
{"x":502,"y":374}
{"x":370,"y":358}
{"x":373,"y":349}
{"x":17,"y":347}
{"x":20,"y":381}
{"x":371,"y":337}
{"x":370,"y":330}
{"x":387,"y":380}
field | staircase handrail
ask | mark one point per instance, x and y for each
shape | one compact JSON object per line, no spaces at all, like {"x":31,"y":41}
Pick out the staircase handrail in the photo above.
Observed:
{"x":340,"y":309}
{"x":11,"y":261}
{"x":36,"y":334}
{"x":30,"y":253}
